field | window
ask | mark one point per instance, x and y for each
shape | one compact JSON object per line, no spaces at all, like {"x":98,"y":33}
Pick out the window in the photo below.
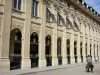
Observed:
{"x":17,"y":4}
{"x":85,"y":4}
{"x":34,"y":7}
{"x":59,"y":18}
{"x":48,"y":15}
{"x":68,"y":23}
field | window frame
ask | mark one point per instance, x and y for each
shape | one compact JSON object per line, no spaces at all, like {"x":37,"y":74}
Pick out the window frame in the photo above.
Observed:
{"x":35,"y":7}
{"x":16,"y":5}
{"x":59,"y":17}
{"x":48,"y":15}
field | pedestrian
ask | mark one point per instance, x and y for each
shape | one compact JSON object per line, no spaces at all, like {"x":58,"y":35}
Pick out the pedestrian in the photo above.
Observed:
{"x":89,"y":63}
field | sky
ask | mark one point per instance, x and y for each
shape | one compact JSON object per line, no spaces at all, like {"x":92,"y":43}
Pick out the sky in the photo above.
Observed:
{"x":95,"y":4}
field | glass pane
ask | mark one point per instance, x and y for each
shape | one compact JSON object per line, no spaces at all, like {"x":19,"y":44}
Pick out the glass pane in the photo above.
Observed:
{"x":14,"y":3}
{"x":19,"y":4}
{"x":34,"y":7}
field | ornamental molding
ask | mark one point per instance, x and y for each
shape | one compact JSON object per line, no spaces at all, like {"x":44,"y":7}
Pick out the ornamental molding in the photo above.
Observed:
{"x":57,"y":5}
{"x":81,"y":39}
{"x":68,"y":35}
{"x":75,"y":37}
{"x":17,"y":25}
{"x":48,"y":2}
{"x":49,"y":31}
{"x":59,"y":34}
{"x":35,"y":28}
{"x":86,"y":39}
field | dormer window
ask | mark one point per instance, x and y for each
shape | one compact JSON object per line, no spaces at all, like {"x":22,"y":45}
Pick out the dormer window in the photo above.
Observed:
{"x":93,"y":10}
{"x":89,"y":7}
{"x":85,"y":4}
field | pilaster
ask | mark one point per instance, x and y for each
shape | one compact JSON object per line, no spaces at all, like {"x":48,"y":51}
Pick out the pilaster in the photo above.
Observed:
{"x":64,"y":55}
{"x":84,"y":51}
{"x":42,"y":59}
{"x":26,"y":63}
{"x":88,"y":46}
{"x":92,"y":50}
{"x":96,"y":48}
{"x":5,"y":36}
{"x":54,"y":46}
{"x":72,"y":48}
{"x":78,"y":48}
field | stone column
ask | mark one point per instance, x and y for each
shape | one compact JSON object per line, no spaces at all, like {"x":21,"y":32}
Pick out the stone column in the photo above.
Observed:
{"x":64,"y":53}
{"x":92,"y":50}
{"x":54,"y":46}
{"x":99,"y":49}
{"x":84,"y":51}
{"x":96,"y":48}
{"x":88,"y":41}
{"x":5,"y":36}
{"x":26,"y":63}
{"x":78,"y":48}
{"x":84,"y":41}
{"x":72,"y":48}
{"x":42,"y":10}
{"x":88,"y":46}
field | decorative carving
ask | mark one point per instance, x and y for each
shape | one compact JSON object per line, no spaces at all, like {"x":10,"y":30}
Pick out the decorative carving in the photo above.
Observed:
{"x":75,"y":37}
{"x":68,"y":36}
{"x":86,"y":40}
{"x":81,"y":39}
{"x":59,"y":34}
{"x":47,"y":2}
{"x":35,"y":28}
{"x":49,"y":31}
{"x":17,"y":25}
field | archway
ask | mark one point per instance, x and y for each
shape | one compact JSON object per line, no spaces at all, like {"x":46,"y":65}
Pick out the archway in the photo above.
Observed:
{"x":59,"y":51}
{"x":81,"y":51}
{"x":15,"y":49}
{"x":34,"y":49}
{"x":48,"y":50}
{"x":68,"y":51}
{"x":75,"y":51}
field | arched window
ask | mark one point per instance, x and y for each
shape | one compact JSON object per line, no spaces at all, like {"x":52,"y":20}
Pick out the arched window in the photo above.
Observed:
{"x":15,"y":49}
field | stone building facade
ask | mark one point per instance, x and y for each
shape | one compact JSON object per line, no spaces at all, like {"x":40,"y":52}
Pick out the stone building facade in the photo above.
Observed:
{"x":41,"y":33}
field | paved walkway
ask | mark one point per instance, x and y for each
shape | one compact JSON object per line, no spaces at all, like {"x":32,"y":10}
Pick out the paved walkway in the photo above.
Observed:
{"x":75,"y":69}
{"x":79,"y":70}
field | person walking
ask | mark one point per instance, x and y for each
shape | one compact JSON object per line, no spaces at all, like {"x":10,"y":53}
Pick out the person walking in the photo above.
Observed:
{"x":89,"y":63}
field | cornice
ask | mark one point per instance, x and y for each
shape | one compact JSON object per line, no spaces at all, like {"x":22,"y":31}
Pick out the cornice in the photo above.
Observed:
{"x":77,"y":10}
{"x":84,"y":9}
